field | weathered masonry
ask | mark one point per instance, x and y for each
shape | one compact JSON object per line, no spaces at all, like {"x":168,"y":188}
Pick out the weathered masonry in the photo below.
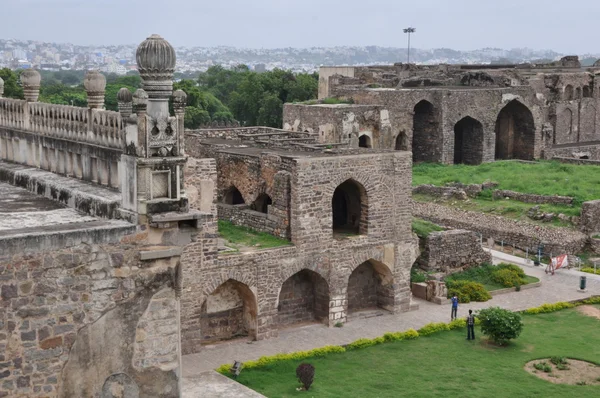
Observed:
{"x":458,"y":113}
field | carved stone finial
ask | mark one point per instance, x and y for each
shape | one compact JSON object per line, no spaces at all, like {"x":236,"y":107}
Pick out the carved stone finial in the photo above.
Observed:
{"x":125,"y":102}
{"x":179,"y":101}
{"x":156,"y":63}
{"x":95,"y":86}
{"x":140,"y":100}
{"x":30,"y":80}
{"x":1,"y":87}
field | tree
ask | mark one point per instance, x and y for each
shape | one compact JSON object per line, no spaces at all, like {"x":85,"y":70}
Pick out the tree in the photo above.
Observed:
{"x":500,"y":325}
{"x":202,"y":106}
{"x":11,"y":84}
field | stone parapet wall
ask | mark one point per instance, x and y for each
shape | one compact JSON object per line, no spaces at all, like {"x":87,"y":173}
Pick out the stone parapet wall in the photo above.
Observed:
{"x":77,"y":320}
{"x":532,"y":198}
{"x":519,"y":234}
{"x":451,"y":251}
{"x":583,"y":151}
{"x":471,"y":190}
{"x":584,"y":162}
{"x":590,"y":217}
{"x":243,"y":216}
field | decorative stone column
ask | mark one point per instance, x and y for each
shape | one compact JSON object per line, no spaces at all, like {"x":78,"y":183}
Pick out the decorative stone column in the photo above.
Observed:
{"x":95,"y":86}
{"x":1,"y":87}
{"x":30,"y":80}
{"x":125,"y":102}
{"x":179,"y":103}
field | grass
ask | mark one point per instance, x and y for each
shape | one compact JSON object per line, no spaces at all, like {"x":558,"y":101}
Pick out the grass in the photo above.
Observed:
{"x":444,"y":365}
{"x":483,"y":274}
{"x":423,"y":228}
{"x":542,"y":178}
{"x":245,"y":237}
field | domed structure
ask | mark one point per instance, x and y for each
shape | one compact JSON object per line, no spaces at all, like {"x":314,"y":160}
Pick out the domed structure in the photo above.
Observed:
{"x":30,"y":80}
{"x":1,"y":87}
{"x":156,"y":63}
{"x":140,"y":100}
{"x":179,"y":100}
{"x":95,"y":85}
{"x":124,"y":95}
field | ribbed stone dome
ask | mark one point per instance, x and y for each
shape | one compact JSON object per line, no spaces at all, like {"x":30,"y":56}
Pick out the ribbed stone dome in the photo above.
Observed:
{"x":179,"y":96}
{"x":30,"y":78}
{"x":140,"y":95}
{"x":94,"y":81}
{"x":124,"y":95}
{"x":155,"y":55}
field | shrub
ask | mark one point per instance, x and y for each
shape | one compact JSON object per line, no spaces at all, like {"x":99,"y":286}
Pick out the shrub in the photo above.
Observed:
{"x":507,"y":277}
{"x":362,"y":343}
{"x":559,"y":360}
{"x":561,"y":366}
{"x":431,"y":328}
{"x":410,"y":334}
{"x":417,"y":275}
{"x":515,"y":268}
{"x":546,"y":308}
{"x":339,"y":324}
{"x":543,"y":366}
{"x":306,"y":374}
{"x":467,"y":291}
{"x":590,"y":270}
{"x":458,"y":323}
{"x":500,"y":325}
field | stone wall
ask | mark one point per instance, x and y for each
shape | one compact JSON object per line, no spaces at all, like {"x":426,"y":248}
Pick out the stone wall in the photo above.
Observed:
{"x":458,"y":192}
{"x":73,"y":319}
{"x":532,"y":198}
{"x":590,"y":217}
{"x":451,"y":251}
{"x":579,"y":161}
{"x":519,"y":234}
{"x":243,"y":216}
{"x":586,"y":151}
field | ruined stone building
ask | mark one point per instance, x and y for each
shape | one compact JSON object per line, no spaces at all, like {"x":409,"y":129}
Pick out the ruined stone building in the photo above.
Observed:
{"x":458,"y":113}
{"x":110,"y":260}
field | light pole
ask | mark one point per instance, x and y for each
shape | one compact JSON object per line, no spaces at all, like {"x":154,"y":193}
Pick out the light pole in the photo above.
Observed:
{"x":409,"y":31}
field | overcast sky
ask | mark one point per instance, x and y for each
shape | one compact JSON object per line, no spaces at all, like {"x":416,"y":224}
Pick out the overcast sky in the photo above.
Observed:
{"x":570,"y":26}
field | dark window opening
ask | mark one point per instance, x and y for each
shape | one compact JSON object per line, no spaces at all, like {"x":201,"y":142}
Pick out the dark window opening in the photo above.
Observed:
{"x":234,"y":197}
{"x":262,"y":203}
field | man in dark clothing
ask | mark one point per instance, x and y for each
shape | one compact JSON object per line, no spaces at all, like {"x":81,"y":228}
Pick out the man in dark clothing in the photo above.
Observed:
{"x":454,"y":300}
{"x":471,"y":326}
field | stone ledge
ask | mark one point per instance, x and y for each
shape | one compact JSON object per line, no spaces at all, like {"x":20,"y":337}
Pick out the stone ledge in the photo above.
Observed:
{"x":514,"y":289}
{"x":160,"y":252}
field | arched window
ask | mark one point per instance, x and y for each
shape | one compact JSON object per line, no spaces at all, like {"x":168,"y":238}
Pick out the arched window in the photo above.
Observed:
{"x":568,"y":93}
{"x":468,"y":141}
{"x":364,"y":141}
{"x":401,"y":142}
{"x":587,"y":92}
{"x":349,"y":206}
{"x":262,"y":203}
{"x":233,"y":197}
{"x":578,"y":93}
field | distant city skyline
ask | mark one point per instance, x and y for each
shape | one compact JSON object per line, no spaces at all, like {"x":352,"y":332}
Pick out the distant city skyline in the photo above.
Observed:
{"x":566,"y":27}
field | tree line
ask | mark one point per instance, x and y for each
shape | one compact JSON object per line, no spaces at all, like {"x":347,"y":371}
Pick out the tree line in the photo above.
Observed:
{"x":219,"y":94}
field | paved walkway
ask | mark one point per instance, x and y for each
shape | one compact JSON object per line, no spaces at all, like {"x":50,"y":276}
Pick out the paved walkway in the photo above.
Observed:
{"x":563,"y":286}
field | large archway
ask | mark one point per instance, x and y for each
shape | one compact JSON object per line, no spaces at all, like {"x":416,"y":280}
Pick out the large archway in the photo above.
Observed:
{"x":228,"y":312}
{"x":468,"y":141}
{"x":262,"y":203}
{"x":515,"y":132}
{"x":233,"y":197}
{"x":349,"y":206}
{"x":370,"y":286}
{"x":425,"y":140}
{"x":304,"y":297}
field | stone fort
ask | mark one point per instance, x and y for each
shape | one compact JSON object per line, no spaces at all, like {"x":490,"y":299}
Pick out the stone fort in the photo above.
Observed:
{"x":111,"y":265}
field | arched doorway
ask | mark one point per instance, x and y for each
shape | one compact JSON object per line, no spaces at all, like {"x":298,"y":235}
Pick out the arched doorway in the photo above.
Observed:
{"x":228,"y":312}
{"x":426,"y":138}
{"x":515,"y":132}
{"x":468,"y":141}
{"x":233,"y":197}
{"x":349,"y":206}
{"x":568,"y":93}
{"x":587,"y":92}
{"x":304,"y":297}
{"x":262,"y":203}
{"x":364,"y":141}
{"x":370,"y":286}
{"x":401,"y":142}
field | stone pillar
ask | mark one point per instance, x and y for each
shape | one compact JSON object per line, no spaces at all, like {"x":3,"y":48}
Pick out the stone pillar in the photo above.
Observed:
{"x":125,"y":102}
{"x":140,"y":107}
{"x":1,"y":87}
{"x":179,"y":102}
{"x":95,"y":85}
{"x":30,"y":80}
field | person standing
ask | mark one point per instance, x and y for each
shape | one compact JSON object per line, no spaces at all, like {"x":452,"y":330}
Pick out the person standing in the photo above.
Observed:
{"x":471,"y":326}
{"x":454,"y":300}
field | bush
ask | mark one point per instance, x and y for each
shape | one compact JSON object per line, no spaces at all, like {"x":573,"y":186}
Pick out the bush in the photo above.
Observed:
{"x":546,"y":308}
{"x":507,"y":277}
{"x":417,"y":275}
{"x":431,"y":328}
{"x":590,"y":270}
{"x":543,"y":366}
{"x":467,"y":291}
{"x":515,"y":268}
{"x":500,"y":325}
{"x":362,"y":343}
{"x":306,"y":374}
{"x":410,"y":334}
{"x":559,"y":360}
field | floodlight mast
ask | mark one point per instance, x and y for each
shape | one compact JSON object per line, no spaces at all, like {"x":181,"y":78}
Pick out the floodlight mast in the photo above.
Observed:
{"x":409,"y":30}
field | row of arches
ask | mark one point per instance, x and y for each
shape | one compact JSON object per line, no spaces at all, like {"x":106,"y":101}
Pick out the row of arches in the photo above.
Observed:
{"x":514,"y":128}
{"x":231,"y":310}
{"x":349,"y":206}
{"x":570,"y":93}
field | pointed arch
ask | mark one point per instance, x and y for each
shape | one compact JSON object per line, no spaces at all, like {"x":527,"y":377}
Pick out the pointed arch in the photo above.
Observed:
{"x":364,"y":141}
{"x":468,"y":141}
{"x":515,"y":132}
{"x":304,"y":297}
{"x":350,"y":207}
{"x":568,"y":93}
{"x":426,"y":135}
{"x":262,"y":203}
{"x":401,"y":142}
{"x":370,"y":286}
{"x":233,"y":196}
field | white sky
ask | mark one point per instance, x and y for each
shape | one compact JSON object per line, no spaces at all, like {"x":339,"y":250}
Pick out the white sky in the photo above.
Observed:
{"x":564,"y":26}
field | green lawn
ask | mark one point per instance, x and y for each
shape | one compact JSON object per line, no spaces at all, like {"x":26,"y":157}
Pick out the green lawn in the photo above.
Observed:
{"x":423,"y":228}
{"x":238,"y":237}
{"x":483,"y":274}
{"x":444,"y":365}
{"x":543,"y":178}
